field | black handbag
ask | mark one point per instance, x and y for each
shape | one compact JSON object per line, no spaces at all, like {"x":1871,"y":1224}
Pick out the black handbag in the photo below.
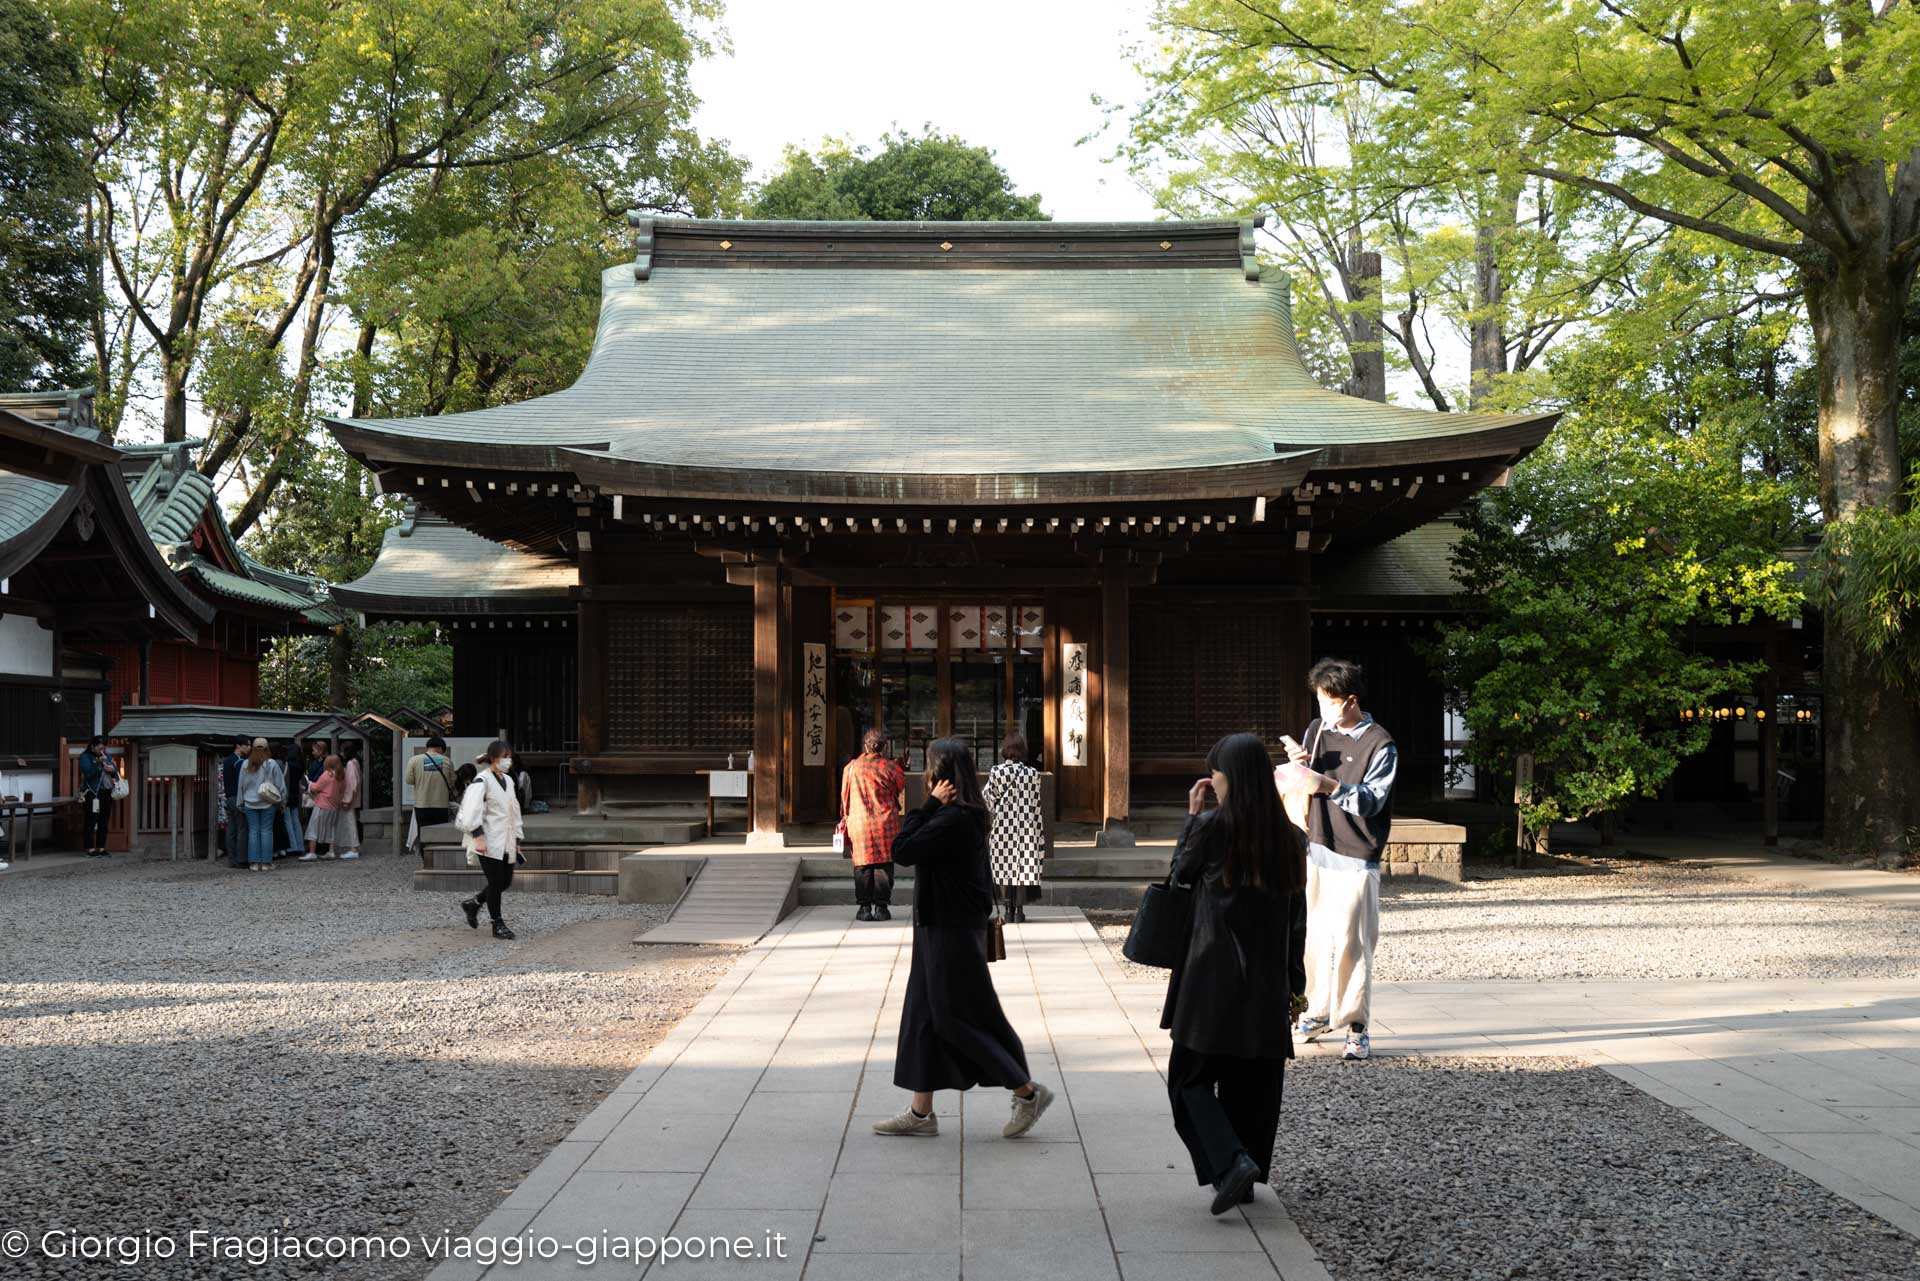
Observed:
{"x":1162,"y":926}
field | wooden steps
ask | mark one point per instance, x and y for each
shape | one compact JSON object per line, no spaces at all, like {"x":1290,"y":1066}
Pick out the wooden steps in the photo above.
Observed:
{"x":733,"y":900}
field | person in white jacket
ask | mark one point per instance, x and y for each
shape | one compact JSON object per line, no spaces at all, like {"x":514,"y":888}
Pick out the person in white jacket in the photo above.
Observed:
{"x":490,"y":828}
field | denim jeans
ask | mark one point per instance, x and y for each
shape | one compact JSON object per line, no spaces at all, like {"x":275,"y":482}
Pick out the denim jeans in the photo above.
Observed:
{"x":260,"y":835}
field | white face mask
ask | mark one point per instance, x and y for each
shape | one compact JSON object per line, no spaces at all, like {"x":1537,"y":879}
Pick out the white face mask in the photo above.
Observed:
{"x":506,"y":764}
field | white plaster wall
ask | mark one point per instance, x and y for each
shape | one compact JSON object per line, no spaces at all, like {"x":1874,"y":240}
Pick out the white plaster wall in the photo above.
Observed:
{"x":26,"y":648}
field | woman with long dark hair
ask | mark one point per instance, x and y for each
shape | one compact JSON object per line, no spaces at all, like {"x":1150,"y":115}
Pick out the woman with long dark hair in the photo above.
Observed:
{"x":1228,"y":1003}
{"x":953,"y":1033}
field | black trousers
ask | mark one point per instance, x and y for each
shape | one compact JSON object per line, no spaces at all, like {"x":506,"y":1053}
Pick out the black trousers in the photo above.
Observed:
{"x":873,"y":884}
{"x":94,"y":813}
{"x":1224,"y":1106}
{"x":499,"y":874}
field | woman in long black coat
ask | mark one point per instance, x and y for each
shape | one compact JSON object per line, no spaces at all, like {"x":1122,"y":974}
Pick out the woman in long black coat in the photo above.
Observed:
{"x":953,"y":1033}
{"x":1227,"y":1004}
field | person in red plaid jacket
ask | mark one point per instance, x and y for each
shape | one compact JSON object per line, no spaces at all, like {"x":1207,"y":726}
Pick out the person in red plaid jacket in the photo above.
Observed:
{"x":870,"y":790}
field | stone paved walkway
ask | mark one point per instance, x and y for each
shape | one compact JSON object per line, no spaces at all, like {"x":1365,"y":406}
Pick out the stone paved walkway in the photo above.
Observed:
{"x":753,"y":1115}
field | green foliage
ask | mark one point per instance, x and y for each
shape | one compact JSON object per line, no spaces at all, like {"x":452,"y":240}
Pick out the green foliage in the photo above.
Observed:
{"x":1236,"y":120}
{"x":932,"y":177}
{"x":1643,"y":518}
{"x":329,"y":523}
{"x":393,"y":664}
{"x":43,"y":188}
{"x":1869,"y":582}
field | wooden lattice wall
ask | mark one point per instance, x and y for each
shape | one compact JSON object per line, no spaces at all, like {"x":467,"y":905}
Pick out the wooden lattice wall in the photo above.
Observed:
{"x":679,"y":677}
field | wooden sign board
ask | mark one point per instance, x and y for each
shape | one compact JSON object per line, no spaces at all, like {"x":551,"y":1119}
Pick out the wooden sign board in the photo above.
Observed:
{"x":173,"y":760}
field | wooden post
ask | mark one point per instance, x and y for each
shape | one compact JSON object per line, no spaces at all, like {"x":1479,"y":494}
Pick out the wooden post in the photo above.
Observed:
{"x":1115,"y":617}
{"x":1770,"y":751}
{"x":767,"y":718}
{"x":590,"y":668}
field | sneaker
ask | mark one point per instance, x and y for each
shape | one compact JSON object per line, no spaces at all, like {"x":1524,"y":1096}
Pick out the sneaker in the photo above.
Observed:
{"x":865,"y":913}
{"x":880,"y":912}
{"x":4,"y":865}
{"x":1357,"y":1046}
{"x":1312,"y":1029}
{"x":350,"y":854}
{"x":500,"y":930}
{"x":907,"y":1123}
{"x":1027,"y":1111}
{"x":308,"y":857}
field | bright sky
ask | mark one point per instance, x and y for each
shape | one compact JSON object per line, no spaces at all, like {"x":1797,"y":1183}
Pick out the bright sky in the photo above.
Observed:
{"x":1016,"y":78}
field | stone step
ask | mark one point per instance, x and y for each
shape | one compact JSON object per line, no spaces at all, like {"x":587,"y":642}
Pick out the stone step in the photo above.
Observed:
{"x":543,"y":882}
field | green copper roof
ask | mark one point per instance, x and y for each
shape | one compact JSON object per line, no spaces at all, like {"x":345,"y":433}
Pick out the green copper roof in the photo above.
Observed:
{"x":187,"y":722}
{"x":431,"y":568}
{"x":1417,"y":563}
{"x":938,"y":372}
{"x":23,"y":502}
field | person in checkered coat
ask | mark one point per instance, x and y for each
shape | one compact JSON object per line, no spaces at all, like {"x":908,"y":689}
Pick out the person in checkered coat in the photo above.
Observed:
{"x":1018,"y":839}
{"x":870,"y":791}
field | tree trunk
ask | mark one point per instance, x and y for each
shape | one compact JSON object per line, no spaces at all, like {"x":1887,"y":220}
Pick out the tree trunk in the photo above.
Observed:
{"x":1871,"y":733}
{"x":340,"y":668}
{"x":175,"y":366}
{"x":1499,"y":214}
{"x":1369,"y":378}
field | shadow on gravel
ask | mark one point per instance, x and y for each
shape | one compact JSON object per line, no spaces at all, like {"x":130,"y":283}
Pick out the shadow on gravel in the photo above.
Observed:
{"x":246,"y":1137}
{"x":1421,"y":1168}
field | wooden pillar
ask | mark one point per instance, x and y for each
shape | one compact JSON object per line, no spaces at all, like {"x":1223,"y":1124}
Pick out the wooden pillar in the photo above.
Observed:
{"x":1770,"y":747}
{"x":767,"y":712}
{"x":1115,"y":711}
{"x":590,"y":676}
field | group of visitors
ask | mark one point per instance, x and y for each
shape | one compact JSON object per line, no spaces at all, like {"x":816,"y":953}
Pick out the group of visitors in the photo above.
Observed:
{"x":871,"y":791}
{"x":1282,"y":864}
{"x":281,"y":804}
{"x":270,"y":803}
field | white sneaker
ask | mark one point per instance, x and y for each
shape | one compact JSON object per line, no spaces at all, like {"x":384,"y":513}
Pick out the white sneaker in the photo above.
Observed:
{"x":909,"y":1124}
{"x":4,"y":866}
{"x":1027,"y":1111}
{"x":308,"y":857}
{"x":349,"y":854}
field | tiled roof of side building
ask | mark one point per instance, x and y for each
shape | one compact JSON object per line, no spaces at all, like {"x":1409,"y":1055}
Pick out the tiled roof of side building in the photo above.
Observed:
{"x":1416,"y":564}
{"x":428,"y":567}
{"x":69,"y":410}
{"x":1040,"y":369}
{"x":24,"y":503}
{"x":192,"y":721}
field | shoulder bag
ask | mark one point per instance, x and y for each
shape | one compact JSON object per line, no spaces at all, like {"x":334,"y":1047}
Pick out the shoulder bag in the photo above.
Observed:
{"x":272,"y":791}
{"x":1162,"y":926}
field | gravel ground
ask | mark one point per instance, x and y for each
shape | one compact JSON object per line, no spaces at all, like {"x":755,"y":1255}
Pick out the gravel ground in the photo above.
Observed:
{"x":317,"y":1050}
{"x":1627,"y":918}
{"x":1547,"y":1169}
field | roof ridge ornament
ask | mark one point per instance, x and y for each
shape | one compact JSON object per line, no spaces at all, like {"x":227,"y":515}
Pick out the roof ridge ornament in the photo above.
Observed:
{"x":642,"y":244}
{"x":1249,"y":260}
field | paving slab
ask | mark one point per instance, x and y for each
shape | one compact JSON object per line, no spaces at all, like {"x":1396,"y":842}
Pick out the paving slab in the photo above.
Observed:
{"x":754,"y":1116}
